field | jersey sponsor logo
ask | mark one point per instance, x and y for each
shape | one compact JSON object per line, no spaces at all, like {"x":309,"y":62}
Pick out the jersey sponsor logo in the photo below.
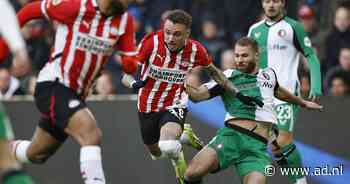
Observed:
{"x":94,"y":45}
{"x":266,"y":84}
{"x":167,"y":75}
{"x":246,"y":86}
{"x":266,"y":75}
{"x":282,"y":33}
{"x":73,"y":103}
{"x":277,"y":47}
{"x":307,"y":42}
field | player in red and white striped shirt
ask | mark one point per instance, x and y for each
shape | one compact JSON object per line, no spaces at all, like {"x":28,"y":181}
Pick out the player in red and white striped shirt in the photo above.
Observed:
{"x":87,"y":33}
{"x":167,"y":56}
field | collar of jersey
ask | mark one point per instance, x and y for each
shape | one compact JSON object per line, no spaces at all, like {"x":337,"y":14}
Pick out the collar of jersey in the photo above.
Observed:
{"x":271,"y":23}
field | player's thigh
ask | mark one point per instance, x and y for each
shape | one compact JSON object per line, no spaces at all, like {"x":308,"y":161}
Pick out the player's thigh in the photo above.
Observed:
{"x":43,"y":143}
{"x":149,"y":128}
{"x":204,"y":162}
{"x":171,"y":123}
{"x":286,"y":116}
{"x":170,"y":131}
{"x":82,"y":126}
{"x":254,"y":178}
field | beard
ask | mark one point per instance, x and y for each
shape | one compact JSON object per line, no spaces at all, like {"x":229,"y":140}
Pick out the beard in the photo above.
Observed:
{"x":249,"y":68}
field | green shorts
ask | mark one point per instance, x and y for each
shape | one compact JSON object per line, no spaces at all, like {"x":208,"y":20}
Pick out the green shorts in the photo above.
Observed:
{"x":245,"y":153}
{"x":5,"y":127}
{"x":286,"y":116}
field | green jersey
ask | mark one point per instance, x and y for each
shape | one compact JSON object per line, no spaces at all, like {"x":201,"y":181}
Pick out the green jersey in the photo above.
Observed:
{"x":262,"y":85}
{"x":281,"y":44}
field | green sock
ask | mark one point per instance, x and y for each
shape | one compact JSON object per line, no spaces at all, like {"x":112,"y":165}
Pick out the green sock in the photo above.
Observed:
{"x":180,"y":167}
{"x":17,"y":177}
{"x":292,"y":160}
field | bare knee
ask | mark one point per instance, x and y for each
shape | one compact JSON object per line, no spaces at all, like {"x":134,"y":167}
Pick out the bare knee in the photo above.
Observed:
{"x":254,"y":178}
{"x":192,"y":173}
{"x":92,"y":136}
{"x":83,"y":128}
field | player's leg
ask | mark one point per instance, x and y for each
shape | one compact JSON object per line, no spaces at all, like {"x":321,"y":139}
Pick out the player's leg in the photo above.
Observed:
{"x":188,"y":137}
{"x":170,"y":147}
{"x":204,"y":162}
{"x":254,"y":178}
{"x":287,"y":152}
{"x":171,"y":123}
{"x":82,"y":126}
{"x":10,"y":170}
{"x":42,"y":146}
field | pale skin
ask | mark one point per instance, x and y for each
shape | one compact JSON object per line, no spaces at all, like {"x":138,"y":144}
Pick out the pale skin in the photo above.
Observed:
{"x":82,"y":125}
{"x":274,"y":11}
{"x":175,"y":36}
{"x":205,"y":161}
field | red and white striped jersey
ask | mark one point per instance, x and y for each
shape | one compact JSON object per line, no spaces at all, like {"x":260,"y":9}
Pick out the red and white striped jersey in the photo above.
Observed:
{"x":166,"y":71}
{"x":84,"y":40}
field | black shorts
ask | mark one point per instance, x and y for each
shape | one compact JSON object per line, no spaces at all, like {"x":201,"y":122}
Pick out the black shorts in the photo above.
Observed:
{"x":57,"y":103}
{"x":152,"y":122}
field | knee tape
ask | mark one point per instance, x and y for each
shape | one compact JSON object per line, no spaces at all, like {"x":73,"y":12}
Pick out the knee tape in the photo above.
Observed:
{"x":170,"y":148}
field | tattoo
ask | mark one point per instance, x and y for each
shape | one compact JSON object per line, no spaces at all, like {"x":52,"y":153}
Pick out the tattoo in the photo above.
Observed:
{"x":221,"y":79}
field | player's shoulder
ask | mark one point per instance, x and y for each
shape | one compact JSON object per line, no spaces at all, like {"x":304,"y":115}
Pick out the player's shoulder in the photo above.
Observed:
{"x":61,"y":10}
{"x":62,"y":3}
{"x":257,"y":24}
{"x":268,"y":73}
{"x":149,"y":37}
{"x":198,"y":45}
{"x":292,"y":22}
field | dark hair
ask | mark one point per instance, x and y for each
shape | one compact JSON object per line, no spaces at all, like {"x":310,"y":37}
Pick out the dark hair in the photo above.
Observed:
{"x":245,"y":41}
{"x":283,"y":1}
{"x":180,"y":17}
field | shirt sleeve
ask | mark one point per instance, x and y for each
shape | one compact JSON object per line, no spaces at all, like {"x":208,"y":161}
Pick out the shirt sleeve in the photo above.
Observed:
{"x":126,"y":43}
{"x":9,"y":26}
{"x":145,"y":48}
{"x":64,"y":11}
{"x":303,"y":44}
{"x":202,"y":56}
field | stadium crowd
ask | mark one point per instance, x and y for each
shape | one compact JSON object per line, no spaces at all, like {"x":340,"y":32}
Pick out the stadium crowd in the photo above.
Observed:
{"x":217,"y":26}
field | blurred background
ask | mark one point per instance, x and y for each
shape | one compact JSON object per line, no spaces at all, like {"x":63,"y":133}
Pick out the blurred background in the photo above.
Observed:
{"x":216,"y":24}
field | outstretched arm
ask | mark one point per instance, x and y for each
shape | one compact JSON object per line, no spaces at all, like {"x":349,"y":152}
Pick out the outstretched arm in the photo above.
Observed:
{"x":197,"y":94}
{"x":223,"y":82}
{"x":285,"y":95}
{"x":221,"y":79}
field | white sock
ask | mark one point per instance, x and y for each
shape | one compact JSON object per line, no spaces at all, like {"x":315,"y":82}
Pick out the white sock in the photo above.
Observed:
{"x":301,"y":181}
{"x":19,"y":148}
{"x":91,"y":165}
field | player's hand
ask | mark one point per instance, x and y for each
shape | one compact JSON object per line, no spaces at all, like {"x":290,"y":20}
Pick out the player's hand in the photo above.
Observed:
{"x":251,"y":101}
{"x":312,"y":105}
{"x":314,"y":95}
{"x":130,"y":82}
{"x":21,"y":63}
